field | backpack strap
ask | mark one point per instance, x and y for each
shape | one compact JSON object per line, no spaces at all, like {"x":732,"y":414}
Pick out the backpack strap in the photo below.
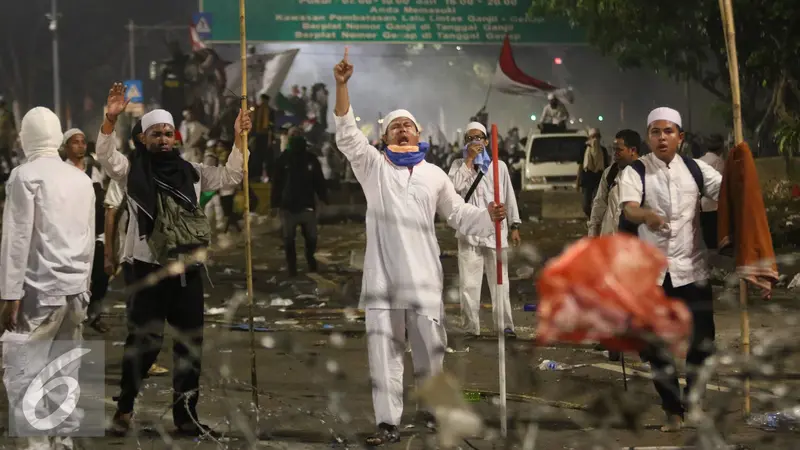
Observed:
{"x":696,"y":172}
{"x":638,"y":166}
{"x":611,"y":176}
{"x":473,"y":187}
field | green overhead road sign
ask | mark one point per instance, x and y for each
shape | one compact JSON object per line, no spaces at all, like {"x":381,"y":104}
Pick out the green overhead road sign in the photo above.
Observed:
{"x":387,"y":21}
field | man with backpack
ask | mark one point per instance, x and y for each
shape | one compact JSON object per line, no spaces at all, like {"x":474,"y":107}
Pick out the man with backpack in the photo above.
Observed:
{"x":660,"y":194}
{"x":297,"y":178}
{"x":606,"y":208}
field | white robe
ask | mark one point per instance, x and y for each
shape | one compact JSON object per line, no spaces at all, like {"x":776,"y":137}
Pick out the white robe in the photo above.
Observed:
{"x":477,"y":254}
{"x":402,"y":269}
{"x":402,"y":283}
{"x":46,"y":258}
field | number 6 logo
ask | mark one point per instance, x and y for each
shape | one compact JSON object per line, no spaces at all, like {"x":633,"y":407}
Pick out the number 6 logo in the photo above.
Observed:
{"x":38,"y":389}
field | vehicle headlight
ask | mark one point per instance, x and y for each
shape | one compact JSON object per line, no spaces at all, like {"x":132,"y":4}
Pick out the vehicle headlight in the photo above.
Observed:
{"x":537,"y":180}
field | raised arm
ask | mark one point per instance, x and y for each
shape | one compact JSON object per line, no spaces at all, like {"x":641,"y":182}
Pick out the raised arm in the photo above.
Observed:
{"x":462,"y":176}
{"x":213,"y":178}
{"x":349,"y":139}
{"x":16,"y":241}
{"x":115,"y":163}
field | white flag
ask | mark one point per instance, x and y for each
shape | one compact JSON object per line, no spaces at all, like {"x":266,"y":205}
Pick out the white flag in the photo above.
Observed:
{"x":265,"y":73}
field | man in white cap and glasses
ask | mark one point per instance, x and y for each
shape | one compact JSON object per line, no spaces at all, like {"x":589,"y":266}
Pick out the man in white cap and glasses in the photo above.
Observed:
{"x":74,"y":148}
{"x":401,"y":289}
{"x":660,"y":194}
{"x":166,"y":225}
{"x":473,"y":178}
{"x":46,"y":252}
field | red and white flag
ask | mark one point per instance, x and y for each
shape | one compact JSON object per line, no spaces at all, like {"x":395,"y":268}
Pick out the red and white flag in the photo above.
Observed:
{"x":510,"y":79}
{"x":197,"y":43}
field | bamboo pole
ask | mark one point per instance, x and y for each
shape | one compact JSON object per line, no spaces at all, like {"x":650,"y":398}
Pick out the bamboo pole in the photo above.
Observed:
{"x":726,"y":11}
{"x":247,"y":237}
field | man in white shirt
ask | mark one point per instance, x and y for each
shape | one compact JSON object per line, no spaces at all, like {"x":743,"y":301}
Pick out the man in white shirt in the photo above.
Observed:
{"x":661,"y":193}
{"x":75,"y":151}
{"x":402,"y":283}
{"x":606,"y":209}
{"x":477,"y":254}
{"x":163,"y":192}
{"x":46,"y":260}
{"x":554,"y":115}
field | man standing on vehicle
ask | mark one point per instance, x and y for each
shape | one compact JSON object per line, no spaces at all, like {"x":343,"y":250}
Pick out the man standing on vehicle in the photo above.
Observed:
{"x":473,"y":178}
{"x":660,"y":194}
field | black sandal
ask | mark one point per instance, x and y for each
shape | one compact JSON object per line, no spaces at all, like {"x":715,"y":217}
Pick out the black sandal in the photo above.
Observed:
{"x":387,"y":434}
{"x":98,"y":325}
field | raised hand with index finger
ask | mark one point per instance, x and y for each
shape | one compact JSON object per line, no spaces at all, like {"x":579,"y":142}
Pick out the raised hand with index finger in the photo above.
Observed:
{"x":344,"y":70}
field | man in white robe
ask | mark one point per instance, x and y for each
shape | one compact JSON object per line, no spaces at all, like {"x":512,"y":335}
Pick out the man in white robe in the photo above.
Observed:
{"x":402,"y":282}
{"x":45,"y":265}
{"x":477,"y":254}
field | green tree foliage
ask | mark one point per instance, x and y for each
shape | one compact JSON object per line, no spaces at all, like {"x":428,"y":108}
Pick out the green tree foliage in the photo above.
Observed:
{"x":685,"y":39}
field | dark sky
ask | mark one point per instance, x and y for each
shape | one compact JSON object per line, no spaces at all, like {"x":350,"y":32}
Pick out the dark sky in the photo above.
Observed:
{"x":94,"y":53}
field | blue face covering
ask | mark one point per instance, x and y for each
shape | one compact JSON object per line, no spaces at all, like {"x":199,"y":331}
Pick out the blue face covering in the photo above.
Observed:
{"x":482,"y":160}
{"x":408,"y":159}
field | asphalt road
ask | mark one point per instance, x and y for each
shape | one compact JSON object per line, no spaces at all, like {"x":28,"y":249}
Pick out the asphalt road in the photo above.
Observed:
{"x":313,"y":381}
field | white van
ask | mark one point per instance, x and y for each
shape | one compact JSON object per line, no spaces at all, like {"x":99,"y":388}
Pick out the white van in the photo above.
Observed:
{"x":552,"y":160}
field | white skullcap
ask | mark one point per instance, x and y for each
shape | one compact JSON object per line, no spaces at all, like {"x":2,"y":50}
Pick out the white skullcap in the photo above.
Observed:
{"x":155,"y":117}
{"x":72,"y":132}
{"x":396,"y":114}
{"x":667,"y":114}
{"x":551,"y":96}
{"x":476,"y":126}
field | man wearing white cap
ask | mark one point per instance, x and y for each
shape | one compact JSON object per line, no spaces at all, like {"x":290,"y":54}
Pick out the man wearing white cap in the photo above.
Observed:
{"x":166,"y":224}
{"x":401,"y":289}
{"x":46,"y":252}
{"x":473,"y":178}
{"x":661,"y":193}
{"x":554,"y":115}
{"x":75,"y":151}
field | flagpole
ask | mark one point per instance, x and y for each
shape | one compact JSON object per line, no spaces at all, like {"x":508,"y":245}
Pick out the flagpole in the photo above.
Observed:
{"x":246,"y":180}
{"x":726,"y":11}
{"x":498,"y":291}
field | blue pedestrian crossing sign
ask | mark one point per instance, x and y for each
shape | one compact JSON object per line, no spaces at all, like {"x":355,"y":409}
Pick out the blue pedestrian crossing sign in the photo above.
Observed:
{"x":202,"y":25}
{"x":133,"y":91}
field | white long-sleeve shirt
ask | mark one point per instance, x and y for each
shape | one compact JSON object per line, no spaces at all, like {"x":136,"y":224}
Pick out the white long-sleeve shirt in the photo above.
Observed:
{"x":463,"y":176}
{"x":117,"y":166}
{"x":48,"y":231}
{"x":402,"y":269}
{"x":606,"y":208}
{"x":713,"y":160}
{"x":673,"y":194}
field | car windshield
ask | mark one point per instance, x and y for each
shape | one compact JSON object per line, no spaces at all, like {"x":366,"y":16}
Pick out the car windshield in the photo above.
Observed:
{"x":568,"y":149}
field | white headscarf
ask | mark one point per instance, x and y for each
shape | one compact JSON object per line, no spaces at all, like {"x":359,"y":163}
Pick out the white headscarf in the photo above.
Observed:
{"x":668,"y":114}
{"x":476,"y":126}
{"x":40,"y":133}
{"x":156,"y":117}
{"x":396,"y":114}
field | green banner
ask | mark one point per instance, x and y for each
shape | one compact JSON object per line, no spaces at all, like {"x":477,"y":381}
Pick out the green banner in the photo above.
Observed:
{"x":386,"y":21}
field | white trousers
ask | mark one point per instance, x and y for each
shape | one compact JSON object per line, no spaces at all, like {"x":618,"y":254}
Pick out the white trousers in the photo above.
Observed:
{"x":386,"y":345}
{"x":473,"y":262}
{"x":42,"y":324}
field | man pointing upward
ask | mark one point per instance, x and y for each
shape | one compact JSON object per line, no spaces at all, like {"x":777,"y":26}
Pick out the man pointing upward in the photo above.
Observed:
{"x":401,"y":289}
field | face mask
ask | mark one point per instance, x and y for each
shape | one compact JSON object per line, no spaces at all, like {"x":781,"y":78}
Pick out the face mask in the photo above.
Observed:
{"x":408,"y":159}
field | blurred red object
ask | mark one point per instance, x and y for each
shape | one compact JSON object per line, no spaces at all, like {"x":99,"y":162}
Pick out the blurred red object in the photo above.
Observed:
{"x":605,"y":290}
{"x":795,"y":191}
